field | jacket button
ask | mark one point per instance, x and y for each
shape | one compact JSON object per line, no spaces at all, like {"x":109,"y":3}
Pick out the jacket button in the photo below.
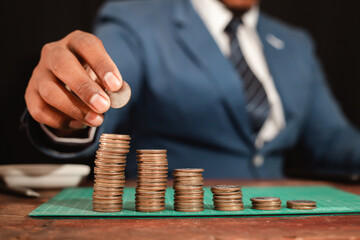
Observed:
{"x":258,"y":160}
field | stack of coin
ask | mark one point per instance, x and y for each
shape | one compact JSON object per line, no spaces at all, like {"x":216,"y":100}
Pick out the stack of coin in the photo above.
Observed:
{"x":266,"y":203}
{"x":227,"y":198}
{"x":110,"y":172}
{"x":301,"y":204}
{"x":188,"y":186}
{"x":152,"y":177}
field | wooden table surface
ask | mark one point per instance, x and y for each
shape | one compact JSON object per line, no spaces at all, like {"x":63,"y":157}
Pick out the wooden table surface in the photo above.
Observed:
{"x":15,"y":223}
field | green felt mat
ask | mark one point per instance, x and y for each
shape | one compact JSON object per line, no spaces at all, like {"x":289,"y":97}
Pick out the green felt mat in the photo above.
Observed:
{"x":76,"y":202}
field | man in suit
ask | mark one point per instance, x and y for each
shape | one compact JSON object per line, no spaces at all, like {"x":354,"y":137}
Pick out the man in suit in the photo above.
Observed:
{"x":218,"y":83}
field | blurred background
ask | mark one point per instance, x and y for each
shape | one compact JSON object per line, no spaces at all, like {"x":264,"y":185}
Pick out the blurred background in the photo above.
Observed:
{"x":27,"y":25}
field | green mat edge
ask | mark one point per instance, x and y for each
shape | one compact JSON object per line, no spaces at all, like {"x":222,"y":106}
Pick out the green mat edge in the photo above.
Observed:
{"x":236,"y":214}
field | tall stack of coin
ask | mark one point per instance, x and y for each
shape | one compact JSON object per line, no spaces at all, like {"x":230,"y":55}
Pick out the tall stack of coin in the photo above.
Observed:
{"x":188,"y":186}
{"x":227,"y":198}
{"x":266,"y":203}
{"x":152,"y":177}
{"x":110,"y":172}
{"x":301,"y":204}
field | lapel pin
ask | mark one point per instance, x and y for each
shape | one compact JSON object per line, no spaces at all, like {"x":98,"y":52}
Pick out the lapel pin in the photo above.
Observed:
{"x":275,"y":42}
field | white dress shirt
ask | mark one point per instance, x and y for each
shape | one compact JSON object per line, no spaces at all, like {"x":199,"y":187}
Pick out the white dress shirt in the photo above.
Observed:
{"x":216,"y":17}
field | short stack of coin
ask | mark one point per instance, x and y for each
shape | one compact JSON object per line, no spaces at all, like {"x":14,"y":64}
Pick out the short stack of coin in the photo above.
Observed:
{"x":110,"y":172}
{"x":266,"y":203}
{"x":152,"y":178}
{"x":188,"y":186}
{"x":301,"y":204}
{"x":227,"y":198}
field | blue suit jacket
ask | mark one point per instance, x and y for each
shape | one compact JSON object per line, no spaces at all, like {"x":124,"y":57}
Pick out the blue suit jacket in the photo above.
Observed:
{"x":187,"y":97}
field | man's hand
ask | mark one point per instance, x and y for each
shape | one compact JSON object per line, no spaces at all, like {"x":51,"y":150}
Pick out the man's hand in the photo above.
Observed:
{"x":61,"y":67}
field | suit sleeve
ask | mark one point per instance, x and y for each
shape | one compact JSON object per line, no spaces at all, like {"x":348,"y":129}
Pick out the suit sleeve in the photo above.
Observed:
{"x":123,"y":46}
{"x":331,"y":141}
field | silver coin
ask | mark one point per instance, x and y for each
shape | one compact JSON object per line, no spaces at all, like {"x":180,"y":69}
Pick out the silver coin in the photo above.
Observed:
{"x":120,"y":98}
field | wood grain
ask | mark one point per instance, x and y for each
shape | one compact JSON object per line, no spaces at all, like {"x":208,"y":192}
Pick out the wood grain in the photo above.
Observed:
{"x":15,"y":223}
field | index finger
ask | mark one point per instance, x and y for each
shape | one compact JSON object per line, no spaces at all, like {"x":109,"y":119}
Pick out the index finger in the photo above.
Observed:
{"x":92,"y":51}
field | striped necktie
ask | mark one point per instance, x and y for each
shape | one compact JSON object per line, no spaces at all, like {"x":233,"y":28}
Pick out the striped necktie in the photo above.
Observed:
{"x":257,"y":105}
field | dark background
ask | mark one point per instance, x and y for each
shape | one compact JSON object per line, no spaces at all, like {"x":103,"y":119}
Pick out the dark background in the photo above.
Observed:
{"x":27,"y":25}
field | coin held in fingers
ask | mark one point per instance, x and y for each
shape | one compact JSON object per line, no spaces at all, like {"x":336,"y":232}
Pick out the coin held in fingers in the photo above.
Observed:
{"x":120,"y":98}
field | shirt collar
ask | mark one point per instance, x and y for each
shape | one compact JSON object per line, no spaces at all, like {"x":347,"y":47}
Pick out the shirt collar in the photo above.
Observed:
{"x":217,"y":16}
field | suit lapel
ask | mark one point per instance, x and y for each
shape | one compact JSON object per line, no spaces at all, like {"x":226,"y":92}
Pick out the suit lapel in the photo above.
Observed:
{"x":281,"y":69}
{"x":195,"y":39}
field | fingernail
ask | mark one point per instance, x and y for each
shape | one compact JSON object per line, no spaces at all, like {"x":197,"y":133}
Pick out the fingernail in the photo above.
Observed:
{"x":76,"y":125}
{"x":93,"y":119}
{"x":113,"y":83}
{"x":99,"y":103}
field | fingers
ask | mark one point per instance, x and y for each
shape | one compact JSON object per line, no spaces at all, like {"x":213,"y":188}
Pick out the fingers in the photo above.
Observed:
{"x":67,"y":68}
{"x":92,"y":51}
{"x":44,"y":113}
{"x":56,"y":95}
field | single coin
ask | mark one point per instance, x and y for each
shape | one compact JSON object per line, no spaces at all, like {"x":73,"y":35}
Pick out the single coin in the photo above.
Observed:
{"x":109,"y":165}
{"x":111,"y":169}
{"x":115,"y":141}
{"x":189,"y":200}
{"x":150,"y":196}
{"x":188,"y":197}
{"x":141,"y":155}
{"x":110,"y":136}
{"x":185,"y":174}
{"x":188,"y":209}
{"x":146,"y":164}
{"x":109,"y":185}
{"x":225,"y":188}
{"x":103,"y":151}
{"x":149,"y":209}
{"x":110,"y":160}
{"x":229,"y":194}
{"x":107,"y":206}
{"x":115,"y":150}
{"x":151,"y":151}
{"x":107,"y":194}
{"x":301,"y":202}
{"x":156,"y":169}
{"x":196,"y":170}
{"x":153,"y":204}
{"x":108,"y":173}
{"x":107,"y":210}
{"x":149,"y":192}
{"x":119,"y":182}
{"x":114,"y":146}
{"x":121,"y":176}
{"x":228,"y":204}
{"x":112,"y":143}
{"x":97,"y":201}
{"x":152,"y":171}
{"x":146,"y":180}
{"x":188,"y":205}
{"x":120,"y":98}
{"x":108,"y":189}
{"x":305,"y":207}
{"x":265,"y":199}
{"x":229,"y":208}
{"x":152,"y":188}
{"x":266,"y":204}
{"x":236,"y":197}
{"x":187,"y":178}
{"x":149,"y":199}
{"x":181,"y":187}
{"x":179,"y":192}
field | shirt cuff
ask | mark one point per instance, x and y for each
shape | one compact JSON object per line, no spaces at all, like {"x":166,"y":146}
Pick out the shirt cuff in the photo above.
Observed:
{"x":76,"y":141}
